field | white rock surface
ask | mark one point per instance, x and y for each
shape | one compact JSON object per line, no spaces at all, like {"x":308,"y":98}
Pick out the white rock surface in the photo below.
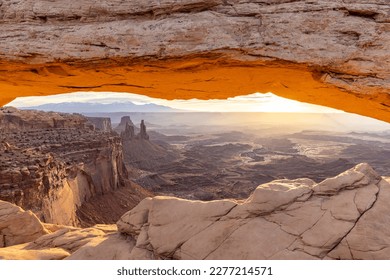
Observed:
{"x":283,"y":219}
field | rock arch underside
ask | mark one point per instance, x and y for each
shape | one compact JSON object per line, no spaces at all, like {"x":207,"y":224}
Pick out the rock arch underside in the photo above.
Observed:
{"x":332,"y":53}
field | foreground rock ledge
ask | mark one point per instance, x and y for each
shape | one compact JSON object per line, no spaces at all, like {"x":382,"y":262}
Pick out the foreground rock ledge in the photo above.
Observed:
{"x":333,"y":53}
{"x":345,"y":217}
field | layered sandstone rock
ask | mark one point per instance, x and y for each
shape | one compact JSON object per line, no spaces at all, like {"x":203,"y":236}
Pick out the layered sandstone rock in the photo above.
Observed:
{"x":12,"y":119}
{"x":103,"y":124}
{"x":142,"y":135}
{"x":125,"y":121}
{"x":128,"y":134}
{"x":127,"y":130}
{"x":52,"y":165}
{"x":333,"y":53}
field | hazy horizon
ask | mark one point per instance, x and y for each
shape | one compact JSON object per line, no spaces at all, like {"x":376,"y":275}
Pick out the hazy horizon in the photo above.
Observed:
{"x":255,"y":102}
{"x":106,"y":103}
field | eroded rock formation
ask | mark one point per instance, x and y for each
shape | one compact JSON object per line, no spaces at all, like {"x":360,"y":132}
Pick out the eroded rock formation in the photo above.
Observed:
{"x":128,"y":134}
{"x":332,"y":53}
{"x":127,"y":130}
{"x":125,"y":121}
{"x":103,"y":124}
{"x":12,"y":119}
{"x":53,"y":164}
{"x":138,"y":151}
{"x":345,"y":217}
{"x":142,"y":135}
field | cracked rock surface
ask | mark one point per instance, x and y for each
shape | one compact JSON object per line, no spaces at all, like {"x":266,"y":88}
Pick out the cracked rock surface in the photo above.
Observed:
{"x":345,"y":217}
{"x":283,"y":219}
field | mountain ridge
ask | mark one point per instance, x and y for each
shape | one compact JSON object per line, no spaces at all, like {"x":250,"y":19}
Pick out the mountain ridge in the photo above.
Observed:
{"x":92,"y":107}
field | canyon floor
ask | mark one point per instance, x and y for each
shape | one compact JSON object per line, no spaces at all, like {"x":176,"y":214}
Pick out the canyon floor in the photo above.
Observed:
{"x":191,"y":186}
{"x":218,"y":157}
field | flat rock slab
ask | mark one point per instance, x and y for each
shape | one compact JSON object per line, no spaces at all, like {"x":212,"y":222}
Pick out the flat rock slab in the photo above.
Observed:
{"x":283,"y":219}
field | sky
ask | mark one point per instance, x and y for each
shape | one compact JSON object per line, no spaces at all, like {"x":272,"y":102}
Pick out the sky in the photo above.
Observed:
{"x":256,"y":102}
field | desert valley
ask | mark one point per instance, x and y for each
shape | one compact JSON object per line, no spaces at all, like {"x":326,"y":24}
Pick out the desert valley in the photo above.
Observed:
{"x":195,"y":174}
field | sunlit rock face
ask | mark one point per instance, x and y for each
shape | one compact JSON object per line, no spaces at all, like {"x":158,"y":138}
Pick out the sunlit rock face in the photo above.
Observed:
{"x":283,"y":219}
{"x":333,"y":53}
{"x":54,"y":163}
{"x":18,"y":226}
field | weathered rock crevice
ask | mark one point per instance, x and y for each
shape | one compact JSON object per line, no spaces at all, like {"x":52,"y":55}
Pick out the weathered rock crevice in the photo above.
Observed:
{"x":355,"y":223}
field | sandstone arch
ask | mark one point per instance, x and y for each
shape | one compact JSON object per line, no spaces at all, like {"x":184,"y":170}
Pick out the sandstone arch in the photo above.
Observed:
{"x":333,"y":53}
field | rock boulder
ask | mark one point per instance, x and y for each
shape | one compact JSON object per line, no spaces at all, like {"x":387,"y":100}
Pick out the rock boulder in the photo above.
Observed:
{"x":18,"y":226}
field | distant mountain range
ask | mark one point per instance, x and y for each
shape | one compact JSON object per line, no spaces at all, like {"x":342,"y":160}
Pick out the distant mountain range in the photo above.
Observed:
{"x":85,"y":107}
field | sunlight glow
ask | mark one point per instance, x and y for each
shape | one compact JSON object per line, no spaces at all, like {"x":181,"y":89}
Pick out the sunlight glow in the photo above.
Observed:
{"x":256,"y":102}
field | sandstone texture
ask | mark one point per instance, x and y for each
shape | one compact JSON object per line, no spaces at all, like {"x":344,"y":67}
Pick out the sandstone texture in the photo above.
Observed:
{"x":284,"y":219}
{"x":103,"y":124}
{"x":125,"y":121}
{"x":345,"y":217}
{"x":53,"y":164}
{"x":12,"y":119}
{"x":128,"y":134}
{"x":18,"y":226}
{"x":333,"y":53}
{"x":128,"y":130}
{"x":60,"y":242}
{"x":142,"y":135}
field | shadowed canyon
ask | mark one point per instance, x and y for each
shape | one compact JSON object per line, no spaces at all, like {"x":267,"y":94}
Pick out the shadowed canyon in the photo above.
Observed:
{"x":156,"y":185}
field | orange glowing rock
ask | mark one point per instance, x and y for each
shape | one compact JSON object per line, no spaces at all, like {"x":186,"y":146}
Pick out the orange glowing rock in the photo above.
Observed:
{"x":191,"y":77}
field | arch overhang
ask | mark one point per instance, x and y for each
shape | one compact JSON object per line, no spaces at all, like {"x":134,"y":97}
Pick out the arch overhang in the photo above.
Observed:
{"x":321,"y":52}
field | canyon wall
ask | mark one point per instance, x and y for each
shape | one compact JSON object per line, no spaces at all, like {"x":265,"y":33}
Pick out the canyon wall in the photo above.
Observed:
{"x":14,"y":120}
{"x":103,"y":124}
{"x":332,"y":53}
{"x":53,"y":169}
